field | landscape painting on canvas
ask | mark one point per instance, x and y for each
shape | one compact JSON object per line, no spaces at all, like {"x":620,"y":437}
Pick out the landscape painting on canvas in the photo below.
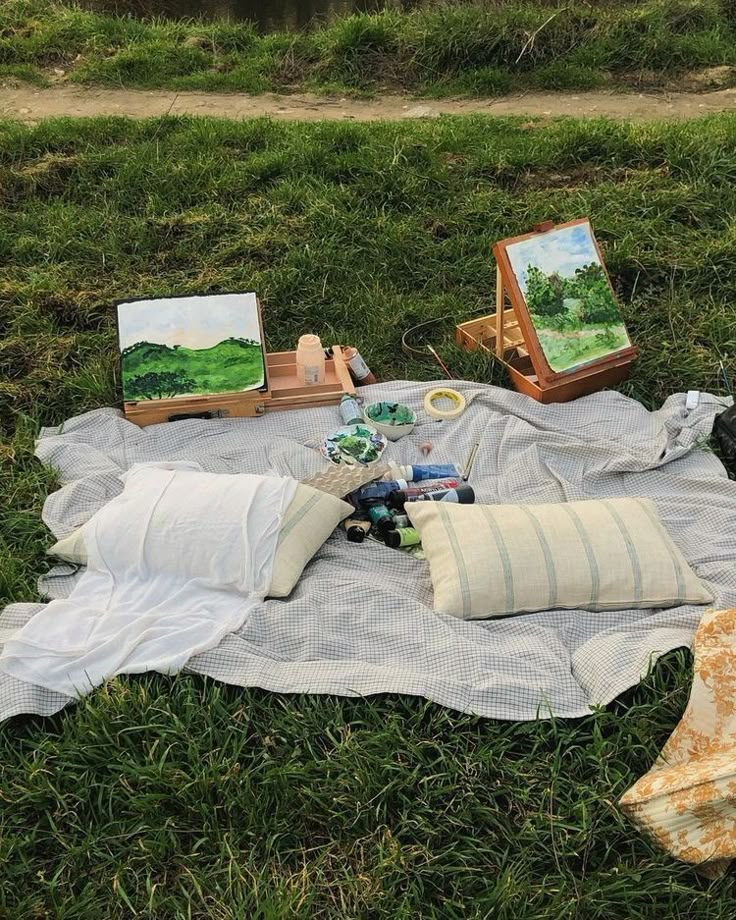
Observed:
{"x":185,"y":346}
{"x":568,"y":295}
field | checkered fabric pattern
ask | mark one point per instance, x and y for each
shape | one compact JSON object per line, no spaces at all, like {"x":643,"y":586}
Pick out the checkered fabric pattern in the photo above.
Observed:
{"x":360,"y":620}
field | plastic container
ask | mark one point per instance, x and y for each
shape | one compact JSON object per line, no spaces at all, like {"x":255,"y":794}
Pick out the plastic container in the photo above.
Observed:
{"x":359,"y":370}
{"x":356,"y":530}
{"x":350,"y":411}
{"x":381,"y":517}
{"x":310,"y":360}
{"x":403,"y":536}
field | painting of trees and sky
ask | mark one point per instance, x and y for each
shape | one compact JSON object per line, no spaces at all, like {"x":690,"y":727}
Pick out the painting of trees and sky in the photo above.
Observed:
{"x":183,"y":346}
{"x":570,"y":302}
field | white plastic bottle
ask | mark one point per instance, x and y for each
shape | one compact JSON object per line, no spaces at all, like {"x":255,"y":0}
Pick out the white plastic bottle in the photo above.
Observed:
{"x":310,"y":360}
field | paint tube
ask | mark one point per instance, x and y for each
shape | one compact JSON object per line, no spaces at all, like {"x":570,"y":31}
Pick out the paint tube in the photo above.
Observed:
{"x":401,"y":520}
{"x":350,"y":411}
{"x":380,"y":516}
{"x":463,"y":495}
{"x":378,"y":491}
{"x":418,"y":473}
{"x":404,"y":536}
{"x":360,"y":371}
{"x":431,"y":485}
{"x":356,"y":530}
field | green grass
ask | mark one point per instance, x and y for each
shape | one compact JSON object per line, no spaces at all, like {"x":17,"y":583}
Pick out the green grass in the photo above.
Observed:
{"x":184,"y":798}
{"x":443,"y":48}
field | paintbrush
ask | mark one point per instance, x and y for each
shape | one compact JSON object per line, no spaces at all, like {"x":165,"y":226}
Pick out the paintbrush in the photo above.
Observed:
{"x":441,"y":363}
{"x":471,"y":460}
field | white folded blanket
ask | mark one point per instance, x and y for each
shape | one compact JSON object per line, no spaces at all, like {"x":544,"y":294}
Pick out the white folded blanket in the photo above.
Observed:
{"x":175,"y":563}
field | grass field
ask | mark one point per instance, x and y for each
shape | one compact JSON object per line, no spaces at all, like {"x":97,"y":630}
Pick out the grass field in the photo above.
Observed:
{"x":445,"y":48}
{"x":180,"y":797}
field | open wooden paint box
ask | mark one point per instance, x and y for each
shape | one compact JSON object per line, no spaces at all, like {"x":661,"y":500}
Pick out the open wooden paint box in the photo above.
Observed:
{"x":562,"y":335}
{"x":204,"y":357}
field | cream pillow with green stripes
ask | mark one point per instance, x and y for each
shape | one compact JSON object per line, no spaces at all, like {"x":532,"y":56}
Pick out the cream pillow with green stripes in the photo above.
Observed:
{"x":495,"y":560}
{"x":309,"y":520}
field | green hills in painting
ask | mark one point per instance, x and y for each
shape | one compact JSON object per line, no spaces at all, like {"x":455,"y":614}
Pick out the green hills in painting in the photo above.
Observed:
{"x":154,"y":371}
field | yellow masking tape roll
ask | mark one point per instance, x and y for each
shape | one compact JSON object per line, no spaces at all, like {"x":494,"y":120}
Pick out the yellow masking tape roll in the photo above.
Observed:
{"x":457,"y":400}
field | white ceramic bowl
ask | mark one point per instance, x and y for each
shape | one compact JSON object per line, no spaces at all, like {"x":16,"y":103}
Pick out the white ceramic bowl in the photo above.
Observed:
{"x":390,"y":419}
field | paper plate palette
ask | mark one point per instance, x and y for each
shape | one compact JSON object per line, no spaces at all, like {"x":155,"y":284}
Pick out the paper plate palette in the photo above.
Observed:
{"x":353,"y":444}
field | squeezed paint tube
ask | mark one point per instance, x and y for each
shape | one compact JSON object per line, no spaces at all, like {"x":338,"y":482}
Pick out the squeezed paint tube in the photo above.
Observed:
{"x":404,"y":536}
{"x":463,"y":495}
{"x":377,"y":491}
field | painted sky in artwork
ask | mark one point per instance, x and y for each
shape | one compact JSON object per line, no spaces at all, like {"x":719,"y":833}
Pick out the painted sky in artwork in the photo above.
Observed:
{"x":561,"y":251}
{"x":193,"y":322}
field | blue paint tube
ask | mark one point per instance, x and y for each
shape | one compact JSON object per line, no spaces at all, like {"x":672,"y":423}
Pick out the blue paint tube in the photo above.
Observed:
{"x":428,"y":471}
{"x":462,"y":495}
{"x":378,"y":491}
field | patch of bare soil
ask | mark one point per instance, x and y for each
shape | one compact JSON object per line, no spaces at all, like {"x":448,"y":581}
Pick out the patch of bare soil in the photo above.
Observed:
{"x":32,"y":104}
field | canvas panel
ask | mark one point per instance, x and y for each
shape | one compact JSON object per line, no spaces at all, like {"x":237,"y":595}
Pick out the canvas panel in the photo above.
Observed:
{"x":174,"y":347}
{"x":568,"y":296}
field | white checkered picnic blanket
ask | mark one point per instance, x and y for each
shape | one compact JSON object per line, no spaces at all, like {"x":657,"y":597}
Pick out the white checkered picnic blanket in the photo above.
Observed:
{"x":360,"y":620}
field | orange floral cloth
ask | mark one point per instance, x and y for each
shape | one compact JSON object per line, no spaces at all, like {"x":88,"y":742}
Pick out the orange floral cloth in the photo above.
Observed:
{"x":687,"y":801}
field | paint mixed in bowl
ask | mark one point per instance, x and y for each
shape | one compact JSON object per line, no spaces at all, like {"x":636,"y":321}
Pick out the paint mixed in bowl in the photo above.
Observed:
{"x":394,"y":420}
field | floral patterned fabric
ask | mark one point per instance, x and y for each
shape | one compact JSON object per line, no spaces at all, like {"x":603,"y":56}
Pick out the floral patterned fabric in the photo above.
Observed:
{"x":687,"y":801}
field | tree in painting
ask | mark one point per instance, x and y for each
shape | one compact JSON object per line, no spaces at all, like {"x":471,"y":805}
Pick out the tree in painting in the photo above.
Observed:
{"x":568,"y":296}
{"x":544,"y":295}
{"x":163,"y":385}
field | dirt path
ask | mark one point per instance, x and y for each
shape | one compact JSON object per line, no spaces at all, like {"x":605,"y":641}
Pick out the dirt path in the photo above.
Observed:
{"x":30,"y":104}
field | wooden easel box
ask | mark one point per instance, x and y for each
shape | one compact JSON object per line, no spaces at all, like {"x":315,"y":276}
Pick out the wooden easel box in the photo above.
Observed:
{"x":283,"y":390}
{"x":481,"y":334}
{"x":509,"y":335}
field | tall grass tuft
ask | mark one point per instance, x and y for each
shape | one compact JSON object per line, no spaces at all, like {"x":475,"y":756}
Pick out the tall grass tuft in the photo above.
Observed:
{"x":577,"y":44}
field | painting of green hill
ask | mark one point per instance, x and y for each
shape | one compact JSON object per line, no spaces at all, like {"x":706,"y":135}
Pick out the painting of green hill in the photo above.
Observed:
{"x":153,"y":371}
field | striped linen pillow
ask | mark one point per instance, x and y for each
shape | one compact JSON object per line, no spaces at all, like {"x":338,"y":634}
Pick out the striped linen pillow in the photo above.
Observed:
{"x":495,"y":560}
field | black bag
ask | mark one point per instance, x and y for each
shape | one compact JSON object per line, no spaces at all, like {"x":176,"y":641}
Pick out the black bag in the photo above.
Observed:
{"x":724,"y":429}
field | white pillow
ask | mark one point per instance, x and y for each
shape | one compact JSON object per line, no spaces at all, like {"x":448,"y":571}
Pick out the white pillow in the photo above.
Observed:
{"x":309,"y":520}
